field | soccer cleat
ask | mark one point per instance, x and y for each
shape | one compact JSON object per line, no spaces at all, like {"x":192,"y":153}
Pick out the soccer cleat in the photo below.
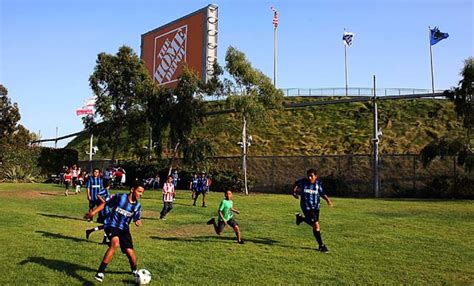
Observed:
{"x":99,"y":276}
{"x":204,"y":206}
{"x":240,"y":242}
{"x":323,"y":248}
{"x":88,"y":233}
{"x":211,"y":221}
{"x":299,"y":219}
{"x":162,"y":218}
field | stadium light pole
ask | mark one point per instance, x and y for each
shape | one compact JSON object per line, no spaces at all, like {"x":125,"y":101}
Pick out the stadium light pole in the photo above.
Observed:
{"x":375,"y":141}
{"x":244,"y":152}
{"x":56,"y":141}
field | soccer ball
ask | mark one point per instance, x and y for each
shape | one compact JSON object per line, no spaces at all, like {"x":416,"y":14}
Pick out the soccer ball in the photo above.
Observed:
{"x":143,"y":277}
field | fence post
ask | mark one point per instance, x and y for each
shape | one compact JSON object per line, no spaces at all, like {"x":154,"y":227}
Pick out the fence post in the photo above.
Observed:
{"x":338,"y":166}
{"x":454,"y":172}
{"x":414,"y":172}
{"x":273,"y":168}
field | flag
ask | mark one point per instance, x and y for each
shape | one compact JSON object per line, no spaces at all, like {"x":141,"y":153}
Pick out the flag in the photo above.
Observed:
{"x":88,"y":108}
{"x":347,"y":38}
{"x":84,"y":111}
{"x":436,"y":35}
{"x":275,"y":17}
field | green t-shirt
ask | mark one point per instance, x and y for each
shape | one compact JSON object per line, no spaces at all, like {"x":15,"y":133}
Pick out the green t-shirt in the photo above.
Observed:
{"x":225,"y":207}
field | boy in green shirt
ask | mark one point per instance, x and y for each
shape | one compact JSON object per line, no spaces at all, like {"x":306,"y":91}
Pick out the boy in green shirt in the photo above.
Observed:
{"x":226,"y":217}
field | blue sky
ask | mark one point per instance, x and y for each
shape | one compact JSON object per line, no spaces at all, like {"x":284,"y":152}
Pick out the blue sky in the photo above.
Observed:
{"x":48,"y":48}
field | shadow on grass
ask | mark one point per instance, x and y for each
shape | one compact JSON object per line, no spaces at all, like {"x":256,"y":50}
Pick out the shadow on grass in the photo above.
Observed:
{"x":63,"y":266}
{"x":60,"y":236}
{"x":52,"y":194}
{"x":61,"y":216}
{"x":267,"y":241}
{"x":70,"y":269}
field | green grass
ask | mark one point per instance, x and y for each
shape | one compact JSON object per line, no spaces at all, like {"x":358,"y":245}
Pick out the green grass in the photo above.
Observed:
{"x":370,"y":241}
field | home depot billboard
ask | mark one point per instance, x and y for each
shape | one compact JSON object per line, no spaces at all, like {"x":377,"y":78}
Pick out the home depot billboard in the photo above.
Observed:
{"x":191,"y":39}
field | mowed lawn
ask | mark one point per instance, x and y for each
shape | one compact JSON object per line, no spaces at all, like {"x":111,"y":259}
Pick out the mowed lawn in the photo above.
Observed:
{"x":370,"y":241}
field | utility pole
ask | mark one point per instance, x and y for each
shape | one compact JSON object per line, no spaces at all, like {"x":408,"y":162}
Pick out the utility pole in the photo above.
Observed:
{"x":150,"y":143}
{"x":375,"y":141}
{"x":90,"y":153}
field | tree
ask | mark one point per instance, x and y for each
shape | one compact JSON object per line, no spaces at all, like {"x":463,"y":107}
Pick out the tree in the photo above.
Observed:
{"x":463,"y":98}
{"x":9,"y":117}
{"x":180,"y":111}
{"x":251,"y":94}
{"x":464,"y":107}
{"x":121,"y":83}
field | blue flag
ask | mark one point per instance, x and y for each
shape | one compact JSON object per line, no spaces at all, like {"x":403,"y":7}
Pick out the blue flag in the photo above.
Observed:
{"x":436,"y":35}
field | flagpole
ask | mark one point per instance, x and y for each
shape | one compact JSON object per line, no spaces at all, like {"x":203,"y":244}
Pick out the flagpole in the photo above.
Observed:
{"x":431,"y":59}
{"x":345,"y":64}
{"x":274,"y":55}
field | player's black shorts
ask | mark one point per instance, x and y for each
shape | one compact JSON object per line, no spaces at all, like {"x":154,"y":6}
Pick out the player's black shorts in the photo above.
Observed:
{"x":125,"y":238}
{"x":231,"y":222}
{"x":94,"y":203}
{"x":311,"y":215}
{"x":68,"y":184}
{"x":201,"y":191}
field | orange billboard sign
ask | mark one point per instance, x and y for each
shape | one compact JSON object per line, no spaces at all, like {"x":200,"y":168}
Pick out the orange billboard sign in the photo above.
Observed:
{"x":191,"y":39}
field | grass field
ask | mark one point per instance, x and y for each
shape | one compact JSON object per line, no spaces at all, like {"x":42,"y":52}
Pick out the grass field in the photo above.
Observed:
{"x":370,"y":242}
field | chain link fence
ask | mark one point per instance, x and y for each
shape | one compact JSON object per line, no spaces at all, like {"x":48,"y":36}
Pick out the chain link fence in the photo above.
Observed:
{"x":401,"y":175}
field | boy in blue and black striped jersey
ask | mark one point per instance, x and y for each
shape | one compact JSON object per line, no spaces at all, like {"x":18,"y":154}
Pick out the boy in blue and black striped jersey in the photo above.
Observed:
{"x":310,"y":192}
{"x":202,"y":189}
{"x":94,"y":185}
{"x":123,"y":209}
{"x":102,"y":196}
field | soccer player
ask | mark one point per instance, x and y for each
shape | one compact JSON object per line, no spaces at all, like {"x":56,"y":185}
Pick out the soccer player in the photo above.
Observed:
{"x":193,"y":187}
{"x":94,"y":185}
{"x":103,"y":196}
{"x":123,"y":208}
{"x":168,"y":195}
{"x":201,"y":189}
{"x":226,"y":217}
{"x":310,"y":192}
{"x":67,"y":181}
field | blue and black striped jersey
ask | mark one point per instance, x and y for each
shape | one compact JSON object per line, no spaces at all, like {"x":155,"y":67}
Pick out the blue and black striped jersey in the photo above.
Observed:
{"x":94,"y":185}
{"x":310,"y":194}
{"x":194,"y":184}
{"x":105,"y":194}
{"x":122,"y":212}
{"x":202,"y":184}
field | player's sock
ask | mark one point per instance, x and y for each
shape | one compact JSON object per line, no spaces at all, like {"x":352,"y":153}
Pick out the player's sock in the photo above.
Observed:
{"x":317,"y":235}
{"x":88,"y":233}
{"x":102,"y":267}
{"x":133,"y":266}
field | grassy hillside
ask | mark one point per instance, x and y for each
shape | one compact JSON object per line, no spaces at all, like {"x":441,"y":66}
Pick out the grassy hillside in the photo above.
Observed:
{"x":407,"y":126}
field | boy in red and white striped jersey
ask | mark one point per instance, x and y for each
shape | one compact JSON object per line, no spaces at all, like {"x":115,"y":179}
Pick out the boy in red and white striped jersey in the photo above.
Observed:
{"x":168,"y":195}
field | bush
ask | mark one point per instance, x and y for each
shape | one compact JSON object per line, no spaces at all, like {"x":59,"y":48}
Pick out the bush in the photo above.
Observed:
{"x":20,"y":165}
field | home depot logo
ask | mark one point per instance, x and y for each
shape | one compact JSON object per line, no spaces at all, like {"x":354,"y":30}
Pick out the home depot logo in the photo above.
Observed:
{"x":170,"y":51}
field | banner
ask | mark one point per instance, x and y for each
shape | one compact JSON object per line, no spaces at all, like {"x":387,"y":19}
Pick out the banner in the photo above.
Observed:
{"x":191,"y":39}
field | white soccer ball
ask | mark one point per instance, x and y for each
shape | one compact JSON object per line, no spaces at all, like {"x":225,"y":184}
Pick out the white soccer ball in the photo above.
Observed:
{"x":143,"y":277}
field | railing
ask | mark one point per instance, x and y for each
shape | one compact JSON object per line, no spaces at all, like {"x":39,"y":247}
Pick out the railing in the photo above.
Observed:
{"x":353,"y":91}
